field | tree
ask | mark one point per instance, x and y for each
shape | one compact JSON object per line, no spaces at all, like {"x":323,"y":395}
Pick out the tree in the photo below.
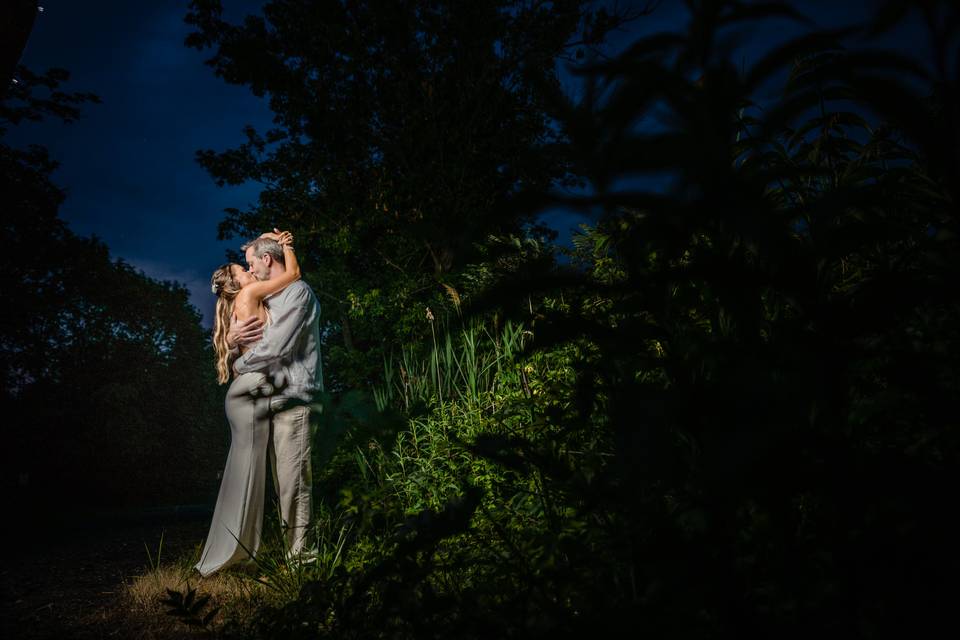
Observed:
{"x":747,"y":427}
{"x":775,"y":334}
{"x":403,"y":132}
{"x":15,"y":28}
{"x":107,"y":376}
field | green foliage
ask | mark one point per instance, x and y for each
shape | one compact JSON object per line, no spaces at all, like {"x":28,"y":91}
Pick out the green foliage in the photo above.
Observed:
{"x":455,"y":496}
{"x":460,"y":366}
{"x":154,"y":564}
{"x":403,"y":134}
{"x":734,"y":414}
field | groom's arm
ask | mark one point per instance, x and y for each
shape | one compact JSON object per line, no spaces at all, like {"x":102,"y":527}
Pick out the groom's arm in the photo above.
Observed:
{"x":280,"y":341}
{"x":243,"y":333}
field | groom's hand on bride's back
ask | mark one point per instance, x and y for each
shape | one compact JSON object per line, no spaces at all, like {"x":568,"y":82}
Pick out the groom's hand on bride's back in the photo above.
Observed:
{"x":244,"y":333}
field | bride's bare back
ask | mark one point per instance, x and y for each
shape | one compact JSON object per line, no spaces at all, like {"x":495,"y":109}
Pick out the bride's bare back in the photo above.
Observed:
{"x":249,"y":302}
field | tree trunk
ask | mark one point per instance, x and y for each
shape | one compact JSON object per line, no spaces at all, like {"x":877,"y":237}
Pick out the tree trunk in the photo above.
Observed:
{"x":16,"y":23}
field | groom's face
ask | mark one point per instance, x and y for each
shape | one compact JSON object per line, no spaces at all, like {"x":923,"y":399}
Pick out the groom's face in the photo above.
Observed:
{"x":257,"y":266}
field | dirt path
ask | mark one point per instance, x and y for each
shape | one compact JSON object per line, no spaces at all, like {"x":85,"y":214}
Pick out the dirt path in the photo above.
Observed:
{"x":66,"y":581}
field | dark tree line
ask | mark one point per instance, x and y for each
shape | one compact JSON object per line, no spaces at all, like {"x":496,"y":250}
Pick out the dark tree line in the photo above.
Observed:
{"x":777,"y":332}
{"x":744,"y":423}
{"x":107,"y":389}
{"x":16,"y":23}
{"x":759,"y":438}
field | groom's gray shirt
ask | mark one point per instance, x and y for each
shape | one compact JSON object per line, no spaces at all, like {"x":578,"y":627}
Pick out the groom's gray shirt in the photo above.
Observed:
{"x":289,"y":352}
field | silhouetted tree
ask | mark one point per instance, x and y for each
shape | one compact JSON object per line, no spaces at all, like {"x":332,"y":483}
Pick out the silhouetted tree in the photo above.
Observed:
{"x":107,"y":381}
{"x":403,"y":131}
{"x":757,"y":438}
{"x":776,"y":354}
{"x":16,"y":23}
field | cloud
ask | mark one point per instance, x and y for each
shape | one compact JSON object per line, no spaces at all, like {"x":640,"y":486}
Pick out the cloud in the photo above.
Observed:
{"x":197,"y":284}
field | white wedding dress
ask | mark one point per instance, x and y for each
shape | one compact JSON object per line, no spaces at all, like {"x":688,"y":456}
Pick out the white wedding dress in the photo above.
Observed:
{"x":238,"y":517}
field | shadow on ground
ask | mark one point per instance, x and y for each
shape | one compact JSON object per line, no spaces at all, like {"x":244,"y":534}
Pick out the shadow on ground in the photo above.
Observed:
{"x":64,"y":577}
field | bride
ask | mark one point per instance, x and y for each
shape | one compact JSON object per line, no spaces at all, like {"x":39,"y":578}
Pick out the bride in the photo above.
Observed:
{"x":238,"y":517}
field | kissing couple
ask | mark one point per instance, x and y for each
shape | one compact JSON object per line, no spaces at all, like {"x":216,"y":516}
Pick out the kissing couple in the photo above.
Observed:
{"x":266,"y":336}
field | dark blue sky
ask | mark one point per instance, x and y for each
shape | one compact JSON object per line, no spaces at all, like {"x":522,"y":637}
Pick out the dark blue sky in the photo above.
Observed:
{"x":127,"y":164}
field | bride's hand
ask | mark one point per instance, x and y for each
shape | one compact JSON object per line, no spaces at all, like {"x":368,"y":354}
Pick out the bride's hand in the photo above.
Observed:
{"x":283,"y":238}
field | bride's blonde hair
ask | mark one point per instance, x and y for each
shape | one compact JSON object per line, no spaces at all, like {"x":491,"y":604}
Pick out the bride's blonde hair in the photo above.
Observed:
{"x":226,"y":287}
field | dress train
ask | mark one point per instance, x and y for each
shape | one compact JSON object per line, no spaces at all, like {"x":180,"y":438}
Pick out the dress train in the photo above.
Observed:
{"x":238,"y":517}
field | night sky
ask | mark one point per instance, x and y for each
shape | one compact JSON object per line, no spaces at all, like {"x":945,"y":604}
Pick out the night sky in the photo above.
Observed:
{"x":128,"y":164}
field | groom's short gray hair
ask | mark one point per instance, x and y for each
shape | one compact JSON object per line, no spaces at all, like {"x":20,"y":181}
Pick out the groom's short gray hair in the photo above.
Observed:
{"x":265,"y":246}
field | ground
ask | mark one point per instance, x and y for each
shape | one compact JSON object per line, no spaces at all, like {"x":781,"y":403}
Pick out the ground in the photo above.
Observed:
{"x":68,"y":580}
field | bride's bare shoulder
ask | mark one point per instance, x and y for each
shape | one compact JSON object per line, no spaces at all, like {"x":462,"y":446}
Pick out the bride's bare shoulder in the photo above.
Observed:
{"x":245,"y":304}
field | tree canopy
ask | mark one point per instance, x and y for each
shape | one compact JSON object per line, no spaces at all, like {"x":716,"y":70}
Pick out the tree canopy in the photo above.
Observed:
{"x":403,"y":133}
{"x":731,"y":415}
{"x":107,"y":374}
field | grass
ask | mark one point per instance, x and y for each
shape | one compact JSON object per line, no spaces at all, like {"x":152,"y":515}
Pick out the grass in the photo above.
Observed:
{"x":238,"y":593}
{"x":140,"y":611}
{"x":461,"y":366}
{"x":421,"y":470}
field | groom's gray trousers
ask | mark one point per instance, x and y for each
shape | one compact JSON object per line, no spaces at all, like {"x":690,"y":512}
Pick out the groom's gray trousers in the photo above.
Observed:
{"x":292,"y":428}
{"x":289,"y":354}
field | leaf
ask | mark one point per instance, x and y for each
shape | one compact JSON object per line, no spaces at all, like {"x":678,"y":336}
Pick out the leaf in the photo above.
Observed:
{"x":210,"y":616}
{"x":889,"y":15}
{"x":787,"y":53}
{"x":761,"y":10}
{"x":188,"y":600}
{"x":199,"y":604}
{"x":660,"y":43}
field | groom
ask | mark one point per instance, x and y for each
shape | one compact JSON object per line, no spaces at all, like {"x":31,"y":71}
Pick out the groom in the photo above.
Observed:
{"x":289,"y":354}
